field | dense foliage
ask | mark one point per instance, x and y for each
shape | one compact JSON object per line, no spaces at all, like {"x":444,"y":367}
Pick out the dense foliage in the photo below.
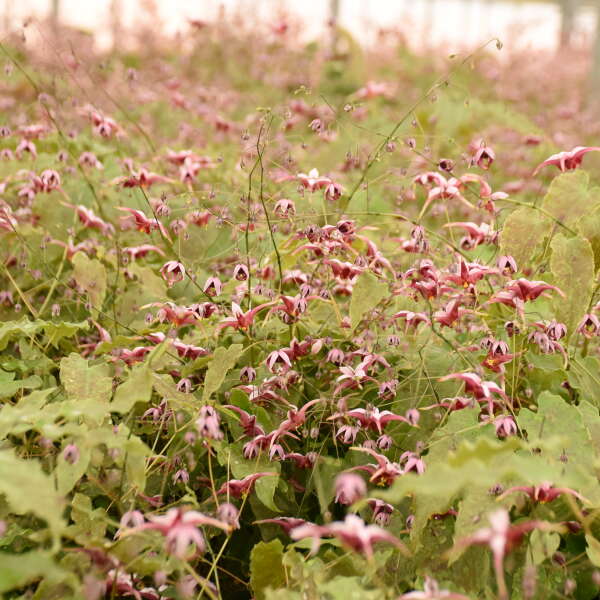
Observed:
{"x":296,"y":321}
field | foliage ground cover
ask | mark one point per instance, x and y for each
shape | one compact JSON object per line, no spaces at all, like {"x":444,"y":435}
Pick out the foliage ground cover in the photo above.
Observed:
{"x":287,"y":320}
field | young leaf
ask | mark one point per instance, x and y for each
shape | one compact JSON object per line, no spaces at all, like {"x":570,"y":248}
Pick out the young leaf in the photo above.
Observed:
{"x":523,"y":231}
{"x":28,"y":489}
{"x":572,"y":265}
{"x":136,"y":388}
{"x":266,"y":567}
{"x":90,"y":275}
{"x":367,"y":294}
{"x":223,"y":360}
{"x":568,"y":197}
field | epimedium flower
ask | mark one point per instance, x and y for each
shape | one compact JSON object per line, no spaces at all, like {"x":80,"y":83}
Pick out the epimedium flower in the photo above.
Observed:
{"x":181,"y":529}
{"x":352,"y":532}
{"x":240,"y":487}
{"x":432,"y":591}
{"x":208,"y":423}
{"x":212,"y":286}
{"x":242,"y":320}
{"x":567,"y":160}
{"x":502,"y":538}
{"x":172,"y":272}
{"x":349,"y":488}
{"x":544,"y":492}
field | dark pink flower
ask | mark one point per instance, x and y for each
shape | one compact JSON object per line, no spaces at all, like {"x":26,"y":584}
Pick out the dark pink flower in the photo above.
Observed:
{"x":240,"y":487}
{"x":180,"y":529}
{"x":172,"y":272}
{"x":567,"y":161}
{"x":545,"y":492}
{"x":502,"y":537}
{"x":242,"y":320}
{"x":349,"y":488}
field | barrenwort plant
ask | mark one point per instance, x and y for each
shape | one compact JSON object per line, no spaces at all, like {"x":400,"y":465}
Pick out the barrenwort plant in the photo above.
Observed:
{"x":296,"y":321}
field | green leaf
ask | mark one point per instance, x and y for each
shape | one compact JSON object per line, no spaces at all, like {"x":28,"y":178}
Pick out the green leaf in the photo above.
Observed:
{"x":153,"y":285}
{"x":89,"y":388}
{"x":348,"y":588}
{"x":15,"y":329}
{"x":584,"y":376}
{"x":230,"y":456}
{"x":568,"y":198}
{"x":68,"y":474}
{"x":17,"y":570}
{"x":589,"y":227}
{"x":368,"y":292}
{"x":543,"y":544}
{"x":266,"y":568}
{"x":223,"y":360}
{"x":556,"y":419}
{"x":59,"y":331}
{"x":89,"y":524}
{"x":9,"y":387}
{"x":523,"y":231}
{"x":593,"y":550}
{"x":136,"y":388}
{"x":28,"y":489}
{"x":90,"y":275}
{"x":572,"y":264}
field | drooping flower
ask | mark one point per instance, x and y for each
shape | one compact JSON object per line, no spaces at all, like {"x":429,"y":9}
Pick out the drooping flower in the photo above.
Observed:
{"x":172,"y":272}
{"x":349,"y":488}
{"x":567,"y":161}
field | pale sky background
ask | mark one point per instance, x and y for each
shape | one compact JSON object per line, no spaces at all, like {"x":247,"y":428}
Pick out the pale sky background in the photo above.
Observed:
{"x":459,"y":22}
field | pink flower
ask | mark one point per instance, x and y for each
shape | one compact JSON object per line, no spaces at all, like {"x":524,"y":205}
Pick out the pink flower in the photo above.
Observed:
{"x":482,"y":390}
{"x":142,"y":223}
{"x":71,"y":453}
{"x":483,"y":157}
{"x":507,"y":265}
{"x":89,"y":159}
{"x":278,"y":360}
{"x":89,"y":219}
{"x":431,"y":591}
{"x":412,"y":462}
{"x":357,"y":536}
{"x":381,"y":511}
{"x":142,"y":178}
{"x":384,"y":472}
{"x":284,"y":208}
{"x":228,"y":513}
{"x":172,"y":272}
{"x":476,"y":234}
{"x":567,"y":161}
{"x":349,"y":488}
{"x":180,"y":529}
{"x":449,"y":313}
{"x":286,"y":523}
{"x":212,"y":286}
{"x":505,"y":426}
{"x":373,"y":89}
{"x":208,"y":423}
{"x":242,"y":320}
{"x":135,"y":252}
{"x":247,"y":421}
{"x":589,"y":326}
{"x":501,"y":537}
{"x":372,"y":418}
{"x":545,"y":492}
{"x":313,"y":181}
{"x":239,"y":487}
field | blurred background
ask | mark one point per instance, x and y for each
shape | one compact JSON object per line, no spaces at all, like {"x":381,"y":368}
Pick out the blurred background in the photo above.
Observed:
{"x":542,"y":31}
{"x":540,"y":24}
